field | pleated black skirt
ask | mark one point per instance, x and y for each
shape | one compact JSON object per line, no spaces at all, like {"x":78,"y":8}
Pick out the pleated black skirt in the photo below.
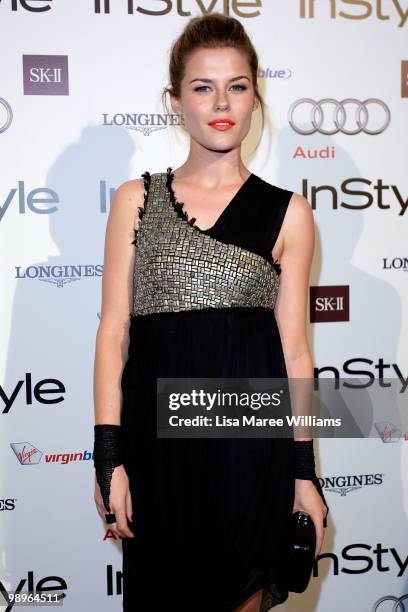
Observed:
{"x":211,"y":516}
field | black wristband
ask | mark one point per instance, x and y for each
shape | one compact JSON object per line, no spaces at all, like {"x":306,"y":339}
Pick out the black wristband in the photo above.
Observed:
{"x":304,"y":459}
{"x":107,"y":455}
{"x":305,"y":467}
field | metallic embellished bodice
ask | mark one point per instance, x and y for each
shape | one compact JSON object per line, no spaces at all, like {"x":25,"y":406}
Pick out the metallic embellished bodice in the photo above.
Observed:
{"x":179,"y":267}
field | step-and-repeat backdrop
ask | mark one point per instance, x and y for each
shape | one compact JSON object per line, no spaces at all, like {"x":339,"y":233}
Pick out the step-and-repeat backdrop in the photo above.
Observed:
{"x":80,"y":113}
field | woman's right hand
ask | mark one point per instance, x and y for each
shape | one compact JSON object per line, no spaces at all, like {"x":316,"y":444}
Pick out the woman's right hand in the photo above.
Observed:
{"x":120,"y":502}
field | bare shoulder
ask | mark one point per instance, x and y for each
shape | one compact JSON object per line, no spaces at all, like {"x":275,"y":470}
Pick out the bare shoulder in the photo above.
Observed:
{"x":128,"y":197}
{"x":299,"y":209}
{"x":129,"y":193}
{"x":299,"y":217}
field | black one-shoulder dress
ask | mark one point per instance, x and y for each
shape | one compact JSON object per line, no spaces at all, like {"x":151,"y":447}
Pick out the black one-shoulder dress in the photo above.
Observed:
{"x":210,"y":515}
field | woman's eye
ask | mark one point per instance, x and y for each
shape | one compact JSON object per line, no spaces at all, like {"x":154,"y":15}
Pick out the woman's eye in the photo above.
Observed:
{"x":201,"y":87}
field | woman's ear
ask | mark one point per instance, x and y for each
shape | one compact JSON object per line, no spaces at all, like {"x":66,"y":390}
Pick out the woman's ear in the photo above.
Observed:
{"x":175,"y":105}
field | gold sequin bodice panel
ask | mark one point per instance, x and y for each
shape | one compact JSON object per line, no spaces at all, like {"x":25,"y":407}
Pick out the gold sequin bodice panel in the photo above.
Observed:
{"x":178,"y":267}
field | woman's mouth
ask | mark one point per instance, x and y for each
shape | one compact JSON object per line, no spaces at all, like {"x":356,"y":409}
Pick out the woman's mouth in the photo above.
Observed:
{"x":221,"y":124}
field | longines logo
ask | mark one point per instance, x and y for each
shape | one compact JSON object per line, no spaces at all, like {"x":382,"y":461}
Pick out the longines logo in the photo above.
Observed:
{"x":329,"y":303}
{"x":366,"y":198}
{"x":349,"y":116}
{"x":8,"y":504}
{"x":146,"y":123}
{"x":45,"y":75}
{"x":184,"y":8}
{"x":59,"y":275}
{"x":396,"y":263}
{"x":350,"y":482}
{"x":6,"y":115}
{"x":398,"y":14}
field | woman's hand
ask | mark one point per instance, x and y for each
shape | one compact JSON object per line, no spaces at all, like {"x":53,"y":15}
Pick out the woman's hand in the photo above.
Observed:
{"x":307,"y":499}
{"x":120,"y":502}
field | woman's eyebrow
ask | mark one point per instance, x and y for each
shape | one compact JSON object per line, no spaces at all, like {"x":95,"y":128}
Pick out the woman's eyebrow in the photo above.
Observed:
{"x":243,"y":76}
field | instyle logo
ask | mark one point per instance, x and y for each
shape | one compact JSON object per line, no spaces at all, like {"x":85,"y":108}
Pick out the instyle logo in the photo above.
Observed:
{"x":345,"y":484}
{"x":379,"y":558}
{"x":381,"y":196}
{"x":396,"y":263}
{"x":27,"y":454}
{"x":279,"y":74}
{"x":113,"y":581}
{"x":6,"y":115}
{"x":59,"y":275}
{"x":349,"y":116}
{"x":383,"y":10}
{"x":145,"y":123}
{"x":41,"y":200}
{"x":38,"y":391}
{"x":45,"y":75}
{"x":184,"y":8}
{"x":404,"y":79}
{"x":57,"y":584}
{"x":29,"y":5}
{"x":329,"y":303}
{"x":354,"y":367}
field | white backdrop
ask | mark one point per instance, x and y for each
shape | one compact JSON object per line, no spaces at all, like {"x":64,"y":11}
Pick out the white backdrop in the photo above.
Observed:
{"x":80,"y":113}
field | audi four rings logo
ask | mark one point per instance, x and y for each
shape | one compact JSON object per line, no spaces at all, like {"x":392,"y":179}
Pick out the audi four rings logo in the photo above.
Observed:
{"x":4,"y":125}
{"x":342,"y":113}
{"x":397,"y":606}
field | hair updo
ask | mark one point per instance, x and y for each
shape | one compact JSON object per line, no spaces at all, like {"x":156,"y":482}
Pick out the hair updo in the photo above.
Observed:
{"x":211,"y":31}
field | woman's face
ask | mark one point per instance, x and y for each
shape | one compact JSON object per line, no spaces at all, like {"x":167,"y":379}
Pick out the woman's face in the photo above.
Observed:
{"x":217,"y":85}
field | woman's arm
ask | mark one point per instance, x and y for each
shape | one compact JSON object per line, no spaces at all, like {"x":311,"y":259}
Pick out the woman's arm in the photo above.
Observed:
{"x":112,"y":337}
{"x":112,"y":341}
{"x":297,"y":247}
{"x":290,"y":310}
{"x":291,"y":305}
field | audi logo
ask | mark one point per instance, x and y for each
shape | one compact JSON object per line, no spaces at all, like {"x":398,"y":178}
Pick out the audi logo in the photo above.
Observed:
{"x":397,"y":606}
{"x":9,"y":115}
{"x":341,"y":111}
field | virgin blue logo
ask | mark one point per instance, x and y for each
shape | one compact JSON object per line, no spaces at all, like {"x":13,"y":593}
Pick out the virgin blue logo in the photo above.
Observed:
{"x":279,"y":74}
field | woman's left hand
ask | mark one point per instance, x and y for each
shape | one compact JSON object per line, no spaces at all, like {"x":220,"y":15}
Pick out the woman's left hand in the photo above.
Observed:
{"x":307,"y":499}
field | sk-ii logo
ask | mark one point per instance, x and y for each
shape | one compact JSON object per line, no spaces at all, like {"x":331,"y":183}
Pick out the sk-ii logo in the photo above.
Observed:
{"x":329,"y":303}
{"x":45,"y":75}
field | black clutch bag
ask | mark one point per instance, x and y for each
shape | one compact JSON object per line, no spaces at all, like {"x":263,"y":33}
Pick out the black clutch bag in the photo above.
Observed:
{"x":299,"y":555}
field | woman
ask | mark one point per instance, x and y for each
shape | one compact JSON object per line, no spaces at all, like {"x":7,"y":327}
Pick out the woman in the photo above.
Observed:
{"x":203,"y":521}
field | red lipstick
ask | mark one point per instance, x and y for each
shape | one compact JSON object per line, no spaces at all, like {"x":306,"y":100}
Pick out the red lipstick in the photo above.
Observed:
{"x":221,"y":124}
